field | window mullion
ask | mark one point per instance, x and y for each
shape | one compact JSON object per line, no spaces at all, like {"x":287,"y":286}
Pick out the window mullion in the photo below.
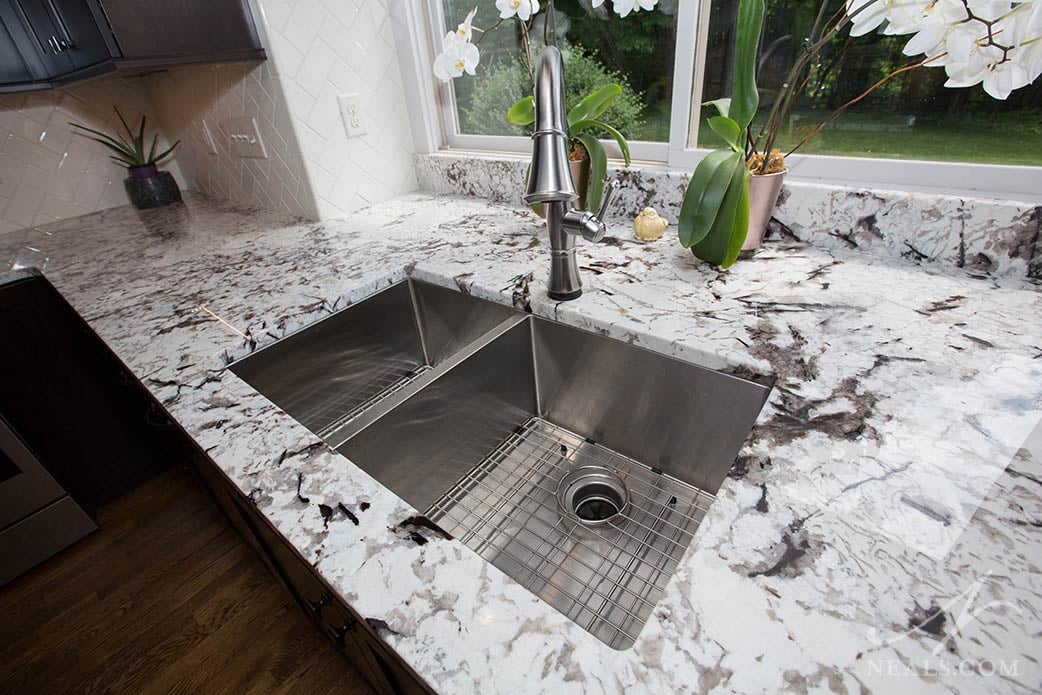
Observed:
{"x":689,"y":59}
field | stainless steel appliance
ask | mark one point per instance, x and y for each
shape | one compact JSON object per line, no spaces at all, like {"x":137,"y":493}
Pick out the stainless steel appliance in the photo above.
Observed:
{"x":37,"y":516}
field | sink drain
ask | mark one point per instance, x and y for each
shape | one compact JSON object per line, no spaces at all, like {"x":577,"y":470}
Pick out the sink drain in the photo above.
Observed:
{"x":593,"y":495}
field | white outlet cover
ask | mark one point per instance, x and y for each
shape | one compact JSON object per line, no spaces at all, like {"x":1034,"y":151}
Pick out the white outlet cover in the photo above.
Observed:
{"x":245,"y":138}
{"x":351,"y":112}
{"x":211,"y":144}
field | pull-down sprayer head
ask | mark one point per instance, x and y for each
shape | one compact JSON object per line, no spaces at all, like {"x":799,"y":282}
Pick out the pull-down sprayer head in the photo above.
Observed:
{"x":550,"y":180}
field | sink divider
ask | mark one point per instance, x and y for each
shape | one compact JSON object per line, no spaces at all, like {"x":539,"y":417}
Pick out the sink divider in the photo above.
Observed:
{"x":344,"y":433}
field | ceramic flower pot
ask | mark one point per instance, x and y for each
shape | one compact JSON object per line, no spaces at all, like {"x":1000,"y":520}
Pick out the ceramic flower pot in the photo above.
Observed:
{"x":763,"y":196}
{"x":147,"y":187}
{"x":580,"y":177}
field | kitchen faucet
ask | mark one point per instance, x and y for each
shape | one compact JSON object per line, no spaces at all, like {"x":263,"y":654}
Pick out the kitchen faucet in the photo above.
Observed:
{"x":550,"y":180}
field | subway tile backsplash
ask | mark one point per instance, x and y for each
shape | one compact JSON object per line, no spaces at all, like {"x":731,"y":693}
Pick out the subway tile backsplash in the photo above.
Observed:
{"x":317,"y":51}
{"x":48,"y":172}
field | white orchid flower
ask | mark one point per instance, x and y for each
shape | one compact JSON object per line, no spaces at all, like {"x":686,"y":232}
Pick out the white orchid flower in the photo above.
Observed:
{"x":624,"y":7}
{"x":464,"y":32}
{"x":522,"y":9}
{"x":866,"y":15}
{"x":905,"y":16}
{"x":1027,"y":35}
{"x":456,"y":59}
{"x":943,"y":33}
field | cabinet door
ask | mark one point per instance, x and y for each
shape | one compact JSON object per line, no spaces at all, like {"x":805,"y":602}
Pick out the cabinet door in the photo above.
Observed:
{"x":173,"y":29}
{"x":13,"y":66}
{"x":31,"y":26}
{"x":61,"y":393}
{"x":337,"y":621}
{"x":313,"y":597}
{"x":399,"y":679}
{"x":65,"y":34}
{"x":80,"y":36}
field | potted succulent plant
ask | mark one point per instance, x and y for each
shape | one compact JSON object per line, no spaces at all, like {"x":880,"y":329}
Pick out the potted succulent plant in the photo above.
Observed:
{"x":146,"y":186}
{"x":733,"y":192}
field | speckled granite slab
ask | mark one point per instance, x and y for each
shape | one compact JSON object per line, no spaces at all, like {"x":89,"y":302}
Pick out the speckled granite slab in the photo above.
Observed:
{"x":880,"y":532}
{"x":984,"y":236}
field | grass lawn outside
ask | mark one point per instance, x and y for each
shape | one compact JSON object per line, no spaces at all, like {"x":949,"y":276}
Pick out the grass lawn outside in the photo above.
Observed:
{"x":1015,"y":139}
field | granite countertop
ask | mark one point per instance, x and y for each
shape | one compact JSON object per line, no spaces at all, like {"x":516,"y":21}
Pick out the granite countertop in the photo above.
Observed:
{"x":881,"y":530}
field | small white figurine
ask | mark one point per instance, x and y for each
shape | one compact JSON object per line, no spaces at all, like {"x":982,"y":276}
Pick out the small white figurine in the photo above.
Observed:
{"x":648,"y":225}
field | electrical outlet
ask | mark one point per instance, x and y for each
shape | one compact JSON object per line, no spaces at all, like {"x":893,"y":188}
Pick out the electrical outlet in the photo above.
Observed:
{"x":246,"y":138}
{"x":211,"y":144}
{"x":351,"y":110}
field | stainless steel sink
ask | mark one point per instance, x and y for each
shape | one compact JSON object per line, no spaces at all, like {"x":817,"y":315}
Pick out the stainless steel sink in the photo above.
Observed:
{"x":579,"y":465}
{"x":329,"y":373}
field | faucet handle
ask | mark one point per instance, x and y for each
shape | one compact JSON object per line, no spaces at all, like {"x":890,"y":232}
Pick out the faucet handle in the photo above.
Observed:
{"x":591,"y":225}
{"x":611,"y":188}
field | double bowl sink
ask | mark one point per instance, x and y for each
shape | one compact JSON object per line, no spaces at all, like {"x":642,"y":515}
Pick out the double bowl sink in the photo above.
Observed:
{"x":579,"y":465}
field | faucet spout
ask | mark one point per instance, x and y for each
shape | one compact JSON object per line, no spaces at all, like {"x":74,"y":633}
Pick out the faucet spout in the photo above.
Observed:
{"x":550,"y":179}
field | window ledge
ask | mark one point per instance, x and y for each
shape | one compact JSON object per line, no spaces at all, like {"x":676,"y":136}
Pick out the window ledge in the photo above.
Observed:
{"x":999,"y":237}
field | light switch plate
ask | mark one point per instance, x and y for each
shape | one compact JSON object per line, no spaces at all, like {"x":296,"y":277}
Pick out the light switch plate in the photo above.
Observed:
{"x":351,"y":111}
{"x":211,"y":144}
{"x":245,"y":138}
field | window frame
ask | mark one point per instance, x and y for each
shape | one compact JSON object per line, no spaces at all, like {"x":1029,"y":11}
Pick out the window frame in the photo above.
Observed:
{"x":418,"y":31}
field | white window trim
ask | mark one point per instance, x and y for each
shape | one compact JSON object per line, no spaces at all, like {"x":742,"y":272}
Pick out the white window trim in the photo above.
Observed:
{"x":435,"y":125}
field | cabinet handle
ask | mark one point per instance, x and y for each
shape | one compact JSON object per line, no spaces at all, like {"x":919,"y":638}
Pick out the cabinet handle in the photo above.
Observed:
{"x":155,"y":417}
{"x":66,"y":41}
{"x":341,"y":632}
{"x":317,"y":606}
{"x":52,"y":43}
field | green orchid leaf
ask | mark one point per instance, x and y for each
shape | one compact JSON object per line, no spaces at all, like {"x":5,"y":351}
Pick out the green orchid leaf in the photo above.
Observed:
{"x":624,"y":146}
{"x":724,"y":241}
{"x":705,"y":194}
{"x":152,"y":150}
{"x":740,"y":230}
{"x":722,"y":106}
{"x":729,"y":131}
{"x":523,"y":112}
{"x":594,"y":104}
{"x":745,"y":98}
{"x":598,"y":169}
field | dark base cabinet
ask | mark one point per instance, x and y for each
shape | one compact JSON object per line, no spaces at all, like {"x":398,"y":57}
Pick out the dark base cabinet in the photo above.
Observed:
{"x":87,"y":419}
{"x":344,"y":628}
{"x":77,"y":427}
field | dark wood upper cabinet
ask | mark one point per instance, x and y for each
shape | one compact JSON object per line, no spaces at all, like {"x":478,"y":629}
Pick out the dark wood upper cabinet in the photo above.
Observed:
{"x":190,"y":29}
{"x":13,"y":68}
{"x":48,"y":43}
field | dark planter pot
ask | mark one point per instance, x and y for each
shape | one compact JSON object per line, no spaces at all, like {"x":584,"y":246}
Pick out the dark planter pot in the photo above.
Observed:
{"x":147,"y":187}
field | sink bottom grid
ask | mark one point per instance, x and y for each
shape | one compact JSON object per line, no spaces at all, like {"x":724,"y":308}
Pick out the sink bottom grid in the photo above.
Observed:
{"x":605,"y":578}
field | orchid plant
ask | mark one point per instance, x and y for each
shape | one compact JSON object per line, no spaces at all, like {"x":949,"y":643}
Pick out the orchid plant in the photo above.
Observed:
{"x":994,"y":43}
{"x":461,"y":55}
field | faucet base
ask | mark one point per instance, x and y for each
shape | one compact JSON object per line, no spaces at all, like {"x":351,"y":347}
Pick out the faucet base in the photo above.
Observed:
{"x":564,"y":296}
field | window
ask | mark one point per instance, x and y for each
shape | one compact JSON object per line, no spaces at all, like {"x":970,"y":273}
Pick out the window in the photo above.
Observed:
{"x":598,"y":49}
{"x":910,"y":133}
{"x":912,"y":116}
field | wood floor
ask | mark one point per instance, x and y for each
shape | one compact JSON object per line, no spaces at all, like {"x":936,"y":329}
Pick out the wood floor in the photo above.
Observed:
{"x":165,"y":598}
